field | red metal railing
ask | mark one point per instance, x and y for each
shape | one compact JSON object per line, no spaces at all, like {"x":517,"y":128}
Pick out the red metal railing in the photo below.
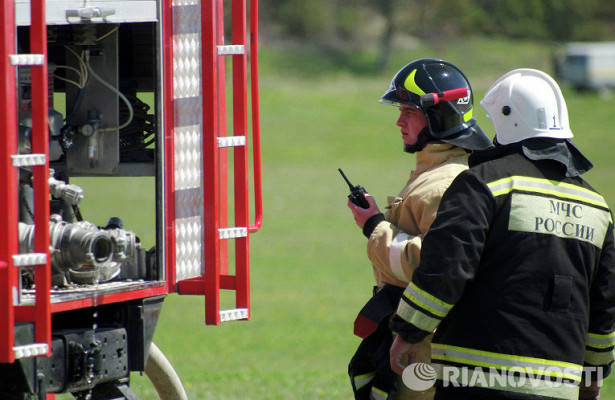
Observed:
{"x":256,"y":130}
{"x":40,"y":173}
{"x":210,"y":21}
{"x":169,"y":148}
{"x":8,"y":179}
{"x":216,"y":275}
{"x":40,"y":313}
{"x":240,"y":128}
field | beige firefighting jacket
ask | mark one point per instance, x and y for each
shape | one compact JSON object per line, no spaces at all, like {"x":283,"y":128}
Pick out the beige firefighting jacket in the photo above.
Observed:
{"x":394,"y":246}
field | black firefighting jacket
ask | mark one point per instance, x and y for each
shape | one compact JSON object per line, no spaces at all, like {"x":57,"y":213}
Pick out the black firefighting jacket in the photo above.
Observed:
{"x":518,"y":276}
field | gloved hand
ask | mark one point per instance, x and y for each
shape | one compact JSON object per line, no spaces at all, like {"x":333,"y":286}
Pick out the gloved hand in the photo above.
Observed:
{"x":589,"y":391}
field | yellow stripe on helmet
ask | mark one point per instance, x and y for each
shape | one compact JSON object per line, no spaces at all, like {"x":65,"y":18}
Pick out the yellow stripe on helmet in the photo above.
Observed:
{"x":468,"y":115}
{"x":411,"y":85}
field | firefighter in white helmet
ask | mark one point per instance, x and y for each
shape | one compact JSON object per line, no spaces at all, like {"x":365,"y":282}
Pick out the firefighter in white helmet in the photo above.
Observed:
{"x":436,"y":121}
{"x":516,"y":274}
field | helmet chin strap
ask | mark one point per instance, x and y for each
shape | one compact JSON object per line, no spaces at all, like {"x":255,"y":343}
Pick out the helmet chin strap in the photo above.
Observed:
{"x":421,"y":141}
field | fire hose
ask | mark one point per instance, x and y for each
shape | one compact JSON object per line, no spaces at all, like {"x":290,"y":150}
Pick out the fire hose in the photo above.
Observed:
{"x":162,"y":375}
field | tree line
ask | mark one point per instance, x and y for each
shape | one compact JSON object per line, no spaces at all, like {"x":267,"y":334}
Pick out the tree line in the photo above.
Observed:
{"x":358,"y":24}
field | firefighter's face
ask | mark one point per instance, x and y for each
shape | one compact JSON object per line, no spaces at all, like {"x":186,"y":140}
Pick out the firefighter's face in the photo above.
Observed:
{"x":411,"y":121}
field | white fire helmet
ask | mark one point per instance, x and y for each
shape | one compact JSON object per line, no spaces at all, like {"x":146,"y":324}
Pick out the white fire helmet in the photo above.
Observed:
{"x":524,"y":104}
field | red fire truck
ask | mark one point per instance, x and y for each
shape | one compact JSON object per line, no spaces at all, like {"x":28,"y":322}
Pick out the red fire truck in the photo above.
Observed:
{"x":120,"y":88}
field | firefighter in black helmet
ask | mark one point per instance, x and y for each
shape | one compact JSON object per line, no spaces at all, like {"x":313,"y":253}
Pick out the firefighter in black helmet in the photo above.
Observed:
{"x":436,"y":121}
{"x":421,"y":84}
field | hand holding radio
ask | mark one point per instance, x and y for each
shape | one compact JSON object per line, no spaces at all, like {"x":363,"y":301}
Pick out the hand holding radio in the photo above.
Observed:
{"x":357,"y":193}
{"x":362,"y":205}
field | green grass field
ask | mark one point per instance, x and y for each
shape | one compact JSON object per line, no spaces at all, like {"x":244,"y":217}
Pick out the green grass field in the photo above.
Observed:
{"x":310,"y":273}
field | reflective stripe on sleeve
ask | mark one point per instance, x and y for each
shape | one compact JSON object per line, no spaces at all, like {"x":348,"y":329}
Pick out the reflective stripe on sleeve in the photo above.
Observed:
{"x":417,"y":318}
{"x":422,"y":309}
{"x":599,"y":357}
{"x":395,"y":251}
{"x":600,"y":341}
{"x":600,"y":349}
{"x":426,"y":301}
{"x":361,"y":380}
{"x":378,"y":394}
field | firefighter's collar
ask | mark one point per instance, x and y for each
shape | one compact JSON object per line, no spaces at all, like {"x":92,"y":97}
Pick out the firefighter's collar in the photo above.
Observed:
{"x":561,"y":151}
{"x":436,"y":153}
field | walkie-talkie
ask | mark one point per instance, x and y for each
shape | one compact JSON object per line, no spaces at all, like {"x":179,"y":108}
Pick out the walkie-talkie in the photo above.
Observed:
{"x":357,"y":193}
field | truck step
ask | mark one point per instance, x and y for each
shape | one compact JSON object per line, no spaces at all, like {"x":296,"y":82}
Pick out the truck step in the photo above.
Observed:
{"x":232,"y":233}
{"x":26,"y":59}
{"x":30,"y":350}
{"x":25,"y":260}
{"x":231,"y":141}
{"x":28,"y":160}
{"x":233,"y":315}
{"x":230,"y":50}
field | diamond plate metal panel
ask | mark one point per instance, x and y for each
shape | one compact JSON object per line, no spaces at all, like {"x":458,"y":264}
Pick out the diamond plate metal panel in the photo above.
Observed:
{"x":188,"y":139}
